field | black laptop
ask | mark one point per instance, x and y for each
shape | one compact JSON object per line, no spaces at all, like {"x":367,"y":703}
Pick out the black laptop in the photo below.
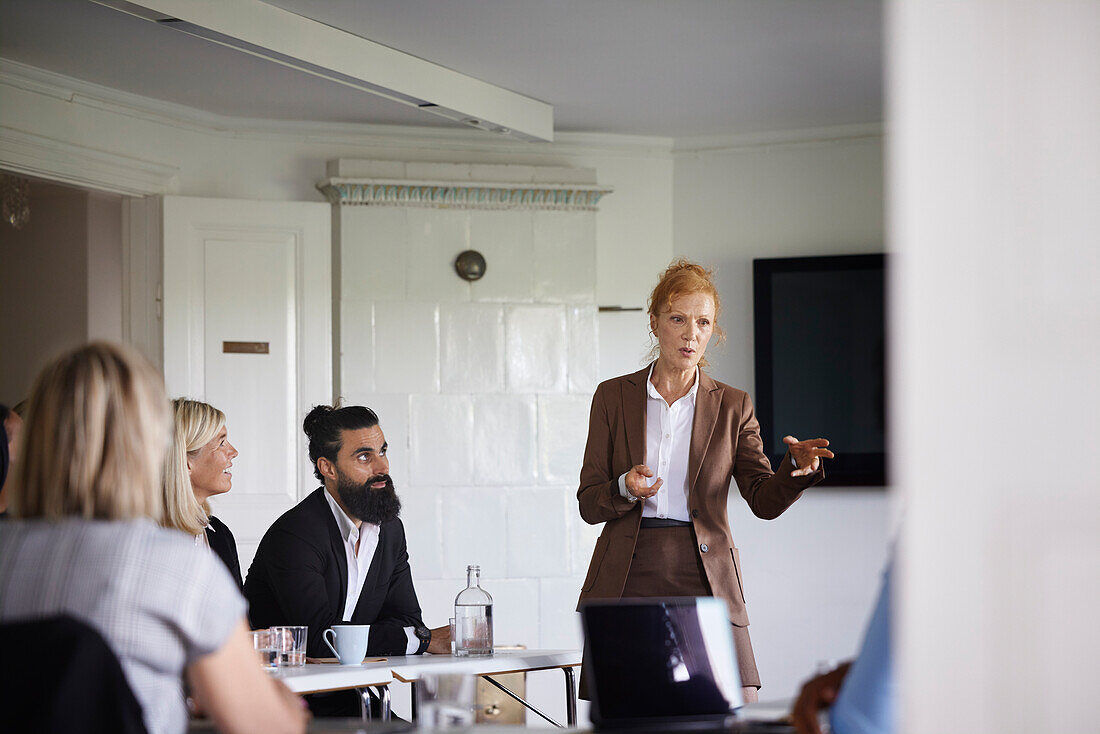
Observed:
{"x":663,"y":665}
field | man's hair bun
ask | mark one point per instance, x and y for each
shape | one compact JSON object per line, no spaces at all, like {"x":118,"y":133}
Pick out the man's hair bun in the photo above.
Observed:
{"x":315,"y":418}
{"x":324,"y":424}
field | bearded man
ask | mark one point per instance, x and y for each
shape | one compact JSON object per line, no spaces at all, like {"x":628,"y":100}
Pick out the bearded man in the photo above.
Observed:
{"x":339,"y":556}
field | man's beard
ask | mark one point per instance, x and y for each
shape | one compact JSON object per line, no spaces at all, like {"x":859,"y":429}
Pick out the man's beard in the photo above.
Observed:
{"x":362,"y":502}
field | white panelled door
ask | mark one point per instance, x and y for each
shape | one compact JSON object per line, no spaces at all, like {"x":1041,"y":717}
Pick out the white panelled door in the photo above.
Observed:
{"x":248,"y":329}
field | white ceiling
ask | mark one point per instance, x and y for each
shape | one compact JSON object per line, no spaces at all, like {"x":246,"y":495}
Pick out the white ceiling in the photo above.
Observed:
{"x":677,"y":68}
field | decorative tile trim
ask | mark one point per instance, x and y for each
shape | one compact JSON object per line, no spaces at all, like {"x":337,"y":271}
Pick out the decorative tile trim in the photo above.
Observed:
{"x":452,"y":195}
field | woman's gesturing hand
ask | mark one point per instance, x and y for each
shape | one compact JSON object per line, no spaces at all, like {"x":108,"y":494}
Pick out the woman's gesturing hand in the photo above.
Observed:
{"x":806,"y":454}
{"x":637,"y":485}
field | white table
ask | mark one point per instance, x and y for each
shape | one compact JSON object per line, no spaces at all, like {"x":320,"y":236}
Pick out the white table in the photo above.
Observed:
{"x":323,"y":677}
{"x":410,"y":668}
{"x":379,"y":674}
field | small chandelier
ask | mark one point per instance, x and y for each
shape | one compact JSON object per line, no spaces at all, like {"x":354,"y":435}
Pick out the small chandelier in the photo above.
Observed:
{"x":15,"y":200}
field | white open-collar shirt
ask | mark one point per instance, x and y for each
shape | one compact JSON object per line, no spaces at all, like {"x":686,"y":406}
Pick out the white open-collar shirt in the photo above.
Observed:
{"x":359,"y":561}
{"x":668,"y":446}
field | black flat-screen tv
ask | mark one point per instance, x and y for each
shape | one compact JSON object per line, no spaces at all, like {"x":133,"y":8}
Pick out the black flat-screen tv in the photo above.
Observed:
{"x":820,"y":331}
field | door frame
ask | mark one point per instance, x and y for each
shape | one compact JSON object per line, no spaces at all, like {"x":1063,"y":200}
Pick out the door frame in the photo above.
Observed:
{"x":184,"y":304}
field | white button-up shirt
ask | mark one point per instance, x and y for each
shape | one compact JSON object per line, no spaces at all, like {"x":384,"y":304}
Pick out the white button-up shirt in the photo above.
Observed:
{"x":668,"y":446}
{"x":359,"y":560}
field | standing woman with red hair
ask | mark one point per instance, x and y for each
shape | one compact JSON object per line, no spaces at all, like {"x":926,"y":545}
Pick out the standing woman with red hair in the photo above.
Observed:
{"x":663,"y":445}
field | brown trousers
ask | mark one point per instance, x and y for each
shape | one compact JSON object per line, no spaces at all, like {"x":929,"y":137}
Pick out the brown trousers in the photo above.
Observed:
{"x":666,"y":563}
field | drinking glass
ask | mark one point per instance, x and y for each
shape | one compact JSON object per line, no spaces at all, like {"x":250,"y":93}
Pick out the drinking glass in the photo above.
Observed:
{"x":445,"y":701}
{"x":292,"y":645}
{"x":266,"y":647}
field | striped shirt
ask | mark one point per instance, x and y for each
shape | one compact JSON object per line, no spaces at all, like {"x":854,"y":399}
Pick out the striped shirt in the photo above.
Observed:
{"x":158,"y":601}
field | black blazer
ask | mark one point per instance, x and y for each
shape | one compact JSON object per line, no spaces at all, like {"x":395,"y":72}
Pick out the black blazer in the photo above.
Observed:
{"x":300,"y":576}
{"x":224,"y":547}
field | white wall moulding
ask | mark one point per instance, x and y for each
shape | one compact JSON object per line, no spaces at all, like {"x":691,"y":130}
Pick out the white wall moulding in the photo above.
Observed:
{"x":55,"y":160}
{"x":446,"y":195}
{"x":84,"y":94}
{"x":713,"y":144}
{"x":282,"y":37}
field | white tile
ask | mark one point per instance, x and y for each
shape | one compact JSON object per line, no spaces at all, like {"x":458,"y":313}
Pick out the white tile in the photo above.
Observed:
{"x":492,"y":173}
{"x":437,"y":598}
{"x":545,"y":691}
{"x":584,"y":348}
{"x":356,"y":347}
{"x":506,"y":240}
{"x":505,"y":440}
{"x":563,"y":175}
{"x":393,"y":417}
{"x":559,"y":622}
{"x":418,"y":171}
{"x":565,"y":257}
{"x":536,"y":349}
{"x":471,"y":338}
{"x":421,"y":510}
{"x":441,"y":434}
{"x":364,"y":168}
{"x":515,"y":610}
{"x":436,"y":238}
{"x":624,"y":343}
{"x":374,"y":243}
{"x":582,"y":536}
{"x":538,"y":543}
{"x":406,"y":340}
{"x":473,"y":531}
{"x":563,"y":429}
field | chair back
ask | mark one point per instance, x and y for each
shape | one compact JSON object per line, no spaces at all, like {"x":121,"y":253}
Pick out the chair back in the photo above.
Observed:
{"x":61,"y":676}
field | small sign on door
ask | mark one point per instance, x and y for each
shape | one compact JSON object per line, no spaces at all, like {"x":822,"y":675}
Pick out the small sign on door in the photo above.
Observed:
{"x":246,"y":348}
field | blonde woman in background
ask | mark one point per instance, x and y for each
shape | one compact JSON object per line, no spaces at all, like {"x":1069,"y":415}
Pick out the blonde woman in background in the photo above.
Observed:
{"x":196,"y":469}
{"x":85,"y":543}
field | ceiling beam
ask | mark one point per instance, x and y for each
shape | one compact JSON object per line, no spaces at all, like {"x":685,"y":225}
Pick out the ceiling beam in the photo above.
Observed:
{"x":280,"y":36}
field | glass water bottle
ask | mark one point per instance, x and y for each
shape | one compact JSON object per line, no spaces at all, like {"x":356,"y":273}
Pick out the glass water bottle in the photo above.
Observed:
{"x":473,"y":617}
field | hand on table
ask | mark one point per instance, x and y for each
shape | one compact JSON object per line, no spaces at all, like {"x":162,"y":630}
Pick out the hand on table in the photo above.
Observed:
{"x":816,"y":694}
{"x":636,"y":482}
{"x":807,"y":454}
{"x":441,"y":641}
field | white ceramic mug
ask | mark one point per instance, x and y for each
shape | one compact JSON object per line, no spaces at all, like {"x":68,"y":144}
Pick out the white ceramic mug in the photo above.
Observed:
{"x":349,"y":643}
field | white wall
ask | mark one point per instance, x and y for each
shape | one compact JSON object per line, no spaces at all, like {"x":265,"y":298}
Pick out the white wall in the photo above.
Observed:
{"x":39,"y":321}
{"x":104,"y":266}
{"x":994,"y":182}
{"x":811,"y":575}
{"x":60,"y":283}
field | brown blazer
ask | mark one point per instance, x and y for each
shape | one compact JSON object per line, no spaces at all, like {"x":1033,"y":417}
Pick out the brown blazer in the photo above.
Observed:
{"x":725,"y":444}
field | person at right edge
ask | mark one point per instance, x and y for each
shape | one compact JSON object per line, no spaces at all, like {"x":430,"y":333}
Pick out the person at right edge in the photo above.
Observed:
{"x":663,"y":444}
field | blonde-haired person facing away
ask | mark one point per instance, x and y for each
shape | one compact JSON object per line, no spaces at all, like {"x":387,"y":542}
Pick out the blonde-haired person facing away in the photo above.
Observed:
{"x":196,"y":468}
{"x":85,"y":542}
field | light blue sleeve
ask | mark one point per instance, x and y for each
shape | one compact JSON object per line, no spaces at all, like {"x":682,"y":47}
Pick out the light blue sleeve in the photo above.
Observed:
{"x":867,"y":700}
